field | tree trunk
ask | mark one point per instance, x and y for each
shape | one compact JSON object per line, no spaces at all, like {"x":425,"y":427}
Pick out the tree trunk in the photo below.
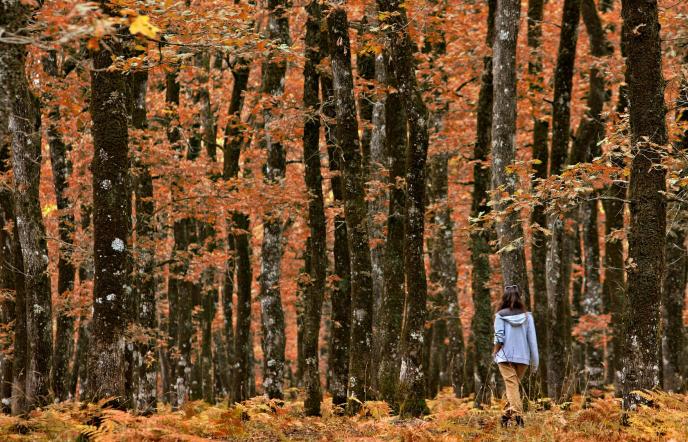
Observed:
{"x":674,"y":353}
{"x":392,"y":308}
{"x":509,"y":228}
{"x":111,"y":225}
{"x":561,"y":241}
{"x":355,"y":210}
{"x":145,"y":360}
{"x":481,"y":323}
{"x":402,"y":63}
{"x":614,"y":286}
{"x":446,"y":360}
{"x":538,"y":254}
{"x":61,"y":167}
{"x":238,"y":241}
{"x":338,"y":364}
{"x":647,"y":234}
{"x":271,"y":251}
{"x":10,"y":291}
{"x":315,"y":291}
{"x":79,"y":376}
{"x":378,"y":165}
{"x":24,"y":127}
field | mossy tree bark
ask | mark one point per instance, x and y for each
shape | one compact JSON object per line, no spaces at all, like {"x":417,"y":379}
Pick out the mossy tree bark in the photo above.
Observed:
{"x":392,"y":308}
{"x":25,"y":130}
{"x":647,"y":235}
{"x":273,"y":342}
{"x":111,"y":226}
{"x":355,"y":210}
{"x":412,"y":377}
{"x":481,"y":323}
{"x":315,"y":290}
{"x":338,"y":363}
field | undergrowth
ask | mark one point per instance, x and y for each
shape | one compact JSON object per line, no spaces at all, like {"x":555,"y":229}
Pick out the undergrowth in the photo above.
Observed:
{"x":664,"y":418}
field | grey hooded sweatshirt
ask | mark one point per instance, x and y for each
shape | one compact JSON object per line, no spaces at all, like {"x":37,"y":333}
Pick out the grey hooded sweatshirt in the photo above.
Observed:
{"x":515,"y":330}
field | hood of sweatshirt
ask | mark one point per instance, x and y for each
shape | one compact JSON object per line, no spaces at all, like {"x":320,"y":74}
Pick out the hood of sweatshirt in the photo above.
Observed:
{"x":515,"y":320}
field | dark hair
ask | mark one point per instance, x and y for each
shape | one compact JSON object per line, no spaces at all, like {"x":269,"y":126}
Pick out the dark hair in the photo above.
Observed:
{"x":512,"y":298}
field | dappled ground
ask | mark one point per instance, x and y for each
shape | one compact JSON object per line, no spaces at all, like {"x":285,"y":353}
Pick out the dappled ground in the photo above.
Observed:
{"x":262,"y":420}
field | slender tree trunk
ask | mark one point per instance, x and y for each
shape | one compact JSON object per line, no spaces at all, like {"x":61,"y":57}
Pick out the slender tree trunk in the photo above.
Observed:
{"x":402,"y":63}
{"x":481,"y":323}
{"x":647,"y":234}
{"x":24,"y":127}
{"x":111,"y":225}
{"x":172,"y":93}
{"x":20,"y":360}
{"x":238,"y":241}
{"x":10,"y":280}
{"x":355,"y":210}
{"x":674,"y":352}
{"x":585,"y":148}
{"x":315,"y":291}
{"x":271,"y":251}
{"x":338,"y":363}
{"x":145,"y":360}
{"x":561,"y":241}
{"x":446,"y":360}
{"x":614,"y":286}
{"x":61,"y":167}
{"x":538,"y":255}
{"x":79,"y":376}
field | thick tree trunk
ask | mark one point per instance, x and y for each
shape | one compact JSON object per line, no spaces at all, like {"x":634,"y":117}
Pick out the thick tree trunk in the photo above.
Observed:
{"x":392,"y":308}
{"x":647,"y":234}
{"x":538,"y":254}
{"x":338,"y":364}
{"x":402,"y":64}
{"x":481,"y":323}
{"x":271,"y":250}
{"x":111,"y":225}
{"x":145,"y":313}
{"x":509,"y":229}
{"x":24,"y":127}
{"x":61,"y":167}
{"x":561,"y":241}
{"x":674,"y":352}
{"x":315,"y":291}
{"x":355,"y":210}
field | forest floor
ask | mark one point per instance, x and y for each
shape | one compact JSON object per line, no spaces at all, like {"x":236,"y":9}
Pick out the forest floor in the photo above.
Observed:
{"x":262,"y":420}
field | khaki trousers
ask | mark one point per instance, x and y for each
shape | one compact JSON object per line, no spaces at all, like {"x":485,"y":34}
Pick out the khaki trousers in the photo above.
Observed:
{"x":512,"y":375}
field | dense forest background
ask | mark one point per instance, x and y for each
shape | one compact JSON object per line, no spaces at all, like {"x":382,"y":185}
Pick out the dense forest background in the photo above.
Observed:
{"x":213,"y":200}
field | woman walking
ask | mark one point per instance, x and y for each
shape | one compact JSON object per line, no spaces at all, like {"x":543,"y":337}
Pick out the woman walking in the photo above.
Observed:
{"x":515,"y":347}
